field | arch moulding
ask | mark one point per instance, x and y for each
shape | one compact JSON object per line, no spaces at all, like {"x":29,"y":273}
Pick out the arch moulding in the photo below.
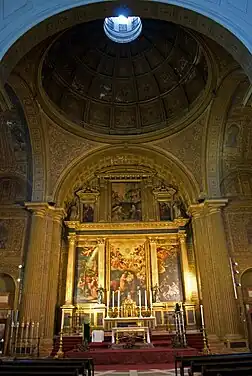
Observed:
{"x":44,"y":19}
{"x":215,"y":131}
{"x":166,"y":167}
{"x":32,"y":115}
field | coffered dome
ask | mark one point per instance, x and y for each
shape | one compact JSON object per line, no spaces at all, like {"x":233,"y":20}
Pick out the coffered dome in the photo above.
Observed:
{"x":106,"y":88}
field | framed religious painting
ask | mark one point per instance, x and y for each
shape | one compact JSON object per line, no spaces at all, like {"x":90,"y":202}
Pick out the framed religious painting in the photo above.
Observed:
{"x":86,"y":274}
{"x":126,"y":204}
{"x":169,"y":273}
{"x":127,"y":262}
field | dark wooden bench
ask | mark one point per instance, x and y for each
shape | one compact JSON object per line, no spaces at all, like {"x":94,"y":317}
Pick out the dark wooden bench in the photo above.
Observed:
{"x":227,"y":371}
{"x":66,"y":367}
{"x":234,"y":363}
{"x":187,"y":361}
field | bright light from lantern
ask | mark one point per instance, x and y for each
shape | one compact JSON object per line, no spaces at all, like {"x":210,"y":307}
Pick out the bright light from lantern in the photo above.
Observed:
{"x":122,"y":29}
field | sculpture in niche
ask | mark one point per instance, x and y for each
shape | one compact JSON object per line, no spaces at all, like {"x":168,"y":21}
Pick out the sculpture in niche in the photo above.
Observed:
{"x":74,"y":211}
{"x":232,"y":136}
{"x":100,"y":292}
{"x":177,"y":210}
{"x":126,"y":201}
{"x":156,"y":294}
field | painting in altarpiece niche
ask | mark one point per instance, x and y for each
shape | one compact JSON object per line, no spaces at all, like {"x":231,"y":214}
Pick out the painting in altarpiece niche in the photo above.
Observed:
{"x":126,"y":202}
{"x":127,"y":268}
{"x":86,"y":274}
{"x":169,"y":274}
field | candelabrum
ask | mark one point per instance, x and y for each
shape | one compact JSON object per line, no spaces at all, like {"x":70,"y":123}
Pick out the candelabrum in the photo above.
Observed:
{"x":180,"y":337}
{"x":60,"y":352}
{"x":206,"y":350}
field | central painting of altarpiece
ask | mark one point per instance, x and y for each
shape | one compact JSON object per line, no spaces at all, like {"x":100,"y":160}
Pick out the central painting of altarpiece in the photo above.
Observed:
{"x":127,"y":235}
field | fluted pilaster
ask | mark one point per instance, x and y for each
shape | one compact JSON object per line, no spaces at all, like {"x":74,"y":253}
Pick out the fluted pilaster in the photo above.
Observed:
{"x":70,"y":269}
{"x":53,"y":273}
{"x":185,"y":265}
{"x":101,"y":261}
{"x":154,"y":262}
{"x":220,"y":307}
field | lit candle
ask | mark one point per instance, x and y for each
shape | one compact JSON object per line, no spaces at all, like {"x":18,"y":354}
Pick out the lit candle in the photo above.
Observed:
{"x":90,"y":316}
{"x":202,"y":316}
{"x":140,"y":299}
{"x":118,"y":303}
{"x":145,"y":300}
{"x":113,"y":301}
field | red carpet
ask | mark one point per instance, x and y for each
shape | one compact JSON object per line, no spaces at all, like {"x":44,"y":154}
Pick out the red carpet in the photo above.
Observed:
{"x":151,"y":357}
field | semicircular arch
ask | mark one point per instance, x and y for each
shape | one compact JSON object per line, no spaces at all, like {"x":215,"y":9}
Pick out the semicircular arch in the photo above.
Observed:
{"x":165,"y":166}
{"x":51,"y":21}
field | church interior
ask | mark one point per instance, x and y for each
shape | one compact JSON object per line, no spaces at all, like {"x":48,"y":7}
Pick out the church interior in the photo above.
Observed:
{"x":125,"y":188}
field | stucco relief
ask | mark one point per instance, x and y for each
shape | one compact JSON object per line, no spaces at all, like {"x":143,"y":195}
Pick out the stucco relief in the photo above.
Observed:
{"x":188,"y":147}
{"x":11,"y":244}
{"x":237,"y":146}
{"x":63,"y":149}
{"x":33,"y":118}
{"x":238,"y":225}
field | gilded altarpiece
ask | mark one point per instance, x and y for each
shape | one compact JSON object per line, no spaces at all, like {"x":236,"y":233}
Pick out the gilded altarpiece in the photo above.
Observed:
{"x":125,"y":249}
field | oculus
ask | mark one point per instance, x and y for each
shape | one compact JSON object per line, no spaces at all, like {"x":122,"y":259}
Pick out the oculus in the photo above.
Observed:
{"x":122,"y":29}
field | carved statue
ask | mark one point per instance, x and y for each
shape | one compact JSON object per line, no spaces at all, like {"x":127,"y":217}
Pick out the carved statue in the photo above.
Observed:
{"x":100,"y":292}
{"x":177,"y":209}
{"x":156,"y":294}
{"x":74,"y":211}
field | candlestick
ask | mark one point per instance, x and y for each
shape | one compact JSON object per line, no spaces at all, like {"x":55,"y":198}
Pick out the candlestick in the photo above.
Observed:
{"x":90,"y":314}
{"x":145,"y":300}
{"x":202,"y":316}
{"x":113,"y":301}
{"x":118,"y":303}
{"x":151,"y":308}
{"x":140,"y":303}
{"x":108,"y":294}
{"x":62,"y":321}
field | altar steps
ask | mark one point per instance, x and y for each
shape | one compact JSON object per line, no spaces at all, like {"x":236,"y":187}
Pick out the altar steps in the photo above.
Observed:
{"x":159,"y":340}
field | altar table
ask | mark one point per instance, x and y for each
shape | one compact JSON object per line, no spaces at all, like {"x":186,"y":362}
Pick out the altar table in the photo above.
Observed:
{"x":137,"y":329}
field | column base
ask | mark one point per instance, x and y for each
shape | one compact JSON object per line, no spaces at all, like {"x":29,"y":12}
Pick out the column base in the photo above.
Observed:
{"x":236,"y":343}
{"x":231,"y":344}
{"x":46,"y":347}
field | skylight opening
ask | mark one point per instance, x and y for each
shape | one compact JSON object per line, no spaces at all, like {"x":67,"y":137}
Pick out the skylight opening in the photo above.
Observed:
{"x":122,"y":29}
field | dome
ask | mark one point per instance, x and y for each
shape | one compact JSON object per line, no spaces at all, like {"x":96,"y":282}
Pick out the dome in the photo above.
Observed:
{"x":121,"y":89}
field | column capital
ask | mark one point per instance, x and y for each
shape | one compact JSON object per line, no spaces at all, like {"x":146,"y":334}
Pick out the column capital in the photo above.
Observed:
{"x":152,"y":240}
{"x":182,"y":236}
{"x":37,"y":208}
{"x":101,"y":241}
{"x":43,"y":208}
{"x":209,"y":206}
{"x":72,"y":238}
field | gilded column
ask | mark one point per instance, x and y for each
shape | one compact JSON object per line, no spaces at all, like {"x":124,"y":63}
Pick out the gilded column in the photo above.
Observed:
{"x":154,"y":262}
{"x":220,"y":308}
{"x":185,"y":265}
{"x":53,"y":274}
{"x":32,"y":299}
{"x":101,"y":262}
{"x":70,"y":270}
